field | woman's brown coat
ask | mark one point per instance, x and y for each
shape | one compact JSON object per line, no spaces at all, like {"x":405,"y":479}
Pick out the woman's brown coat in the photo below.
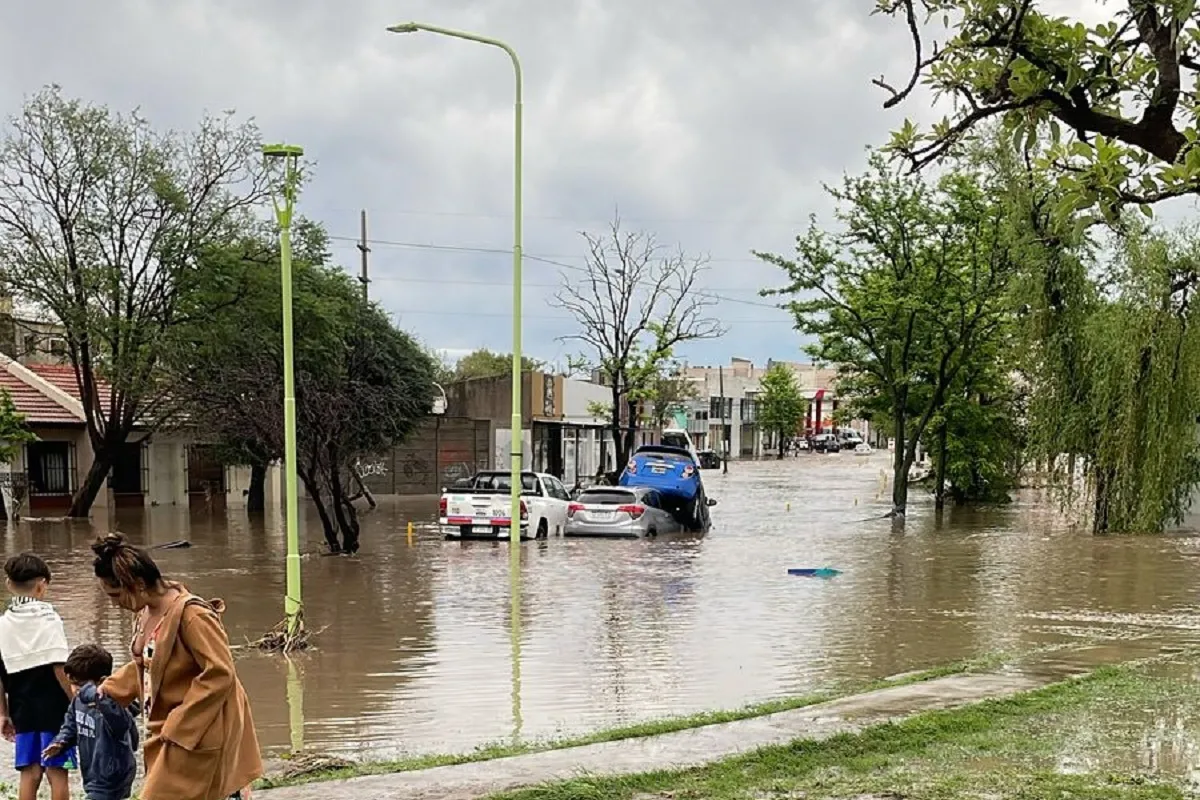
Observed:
{"x":200,"y":739}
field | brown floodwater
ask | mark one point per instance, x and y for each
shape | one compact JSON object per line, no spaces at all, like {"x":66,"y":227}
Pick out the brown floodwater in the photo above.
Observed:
{"x":416,"y":653}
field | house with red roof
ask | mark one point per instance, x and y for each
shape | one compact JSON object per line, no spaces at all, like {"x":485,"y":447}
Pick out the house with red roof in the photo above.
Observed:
{"x":155,"y":469}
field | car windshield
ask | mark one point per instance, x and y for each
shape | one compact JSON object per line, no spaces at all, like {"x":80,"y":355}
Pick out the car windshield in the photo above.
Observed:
{"x":675,"y":440}
{"x":499,"y":482}
{"x":607,"y":498}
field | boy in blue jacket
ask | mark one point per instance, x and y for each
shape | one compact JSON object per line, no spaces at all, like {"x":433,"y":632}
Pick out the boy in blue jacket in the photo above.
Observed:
{"x":105,"y":733}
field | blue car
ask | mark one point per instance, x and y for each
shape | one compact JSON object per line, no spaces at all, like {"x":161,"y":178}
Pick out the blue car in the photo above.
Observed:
{"x":670,"y":470}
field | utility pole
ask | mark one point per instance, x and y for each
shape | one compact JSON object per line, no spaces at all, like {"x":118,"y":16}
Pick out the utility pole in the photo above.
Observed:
{"x":364,"y":249}
{"x":724,"y":435}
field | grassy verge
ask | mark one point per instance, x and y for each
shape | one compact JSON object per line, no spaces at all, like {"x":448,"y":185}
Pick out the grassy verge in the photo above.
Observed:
{"x":318,"y":772}
{"x":1096,"y":737}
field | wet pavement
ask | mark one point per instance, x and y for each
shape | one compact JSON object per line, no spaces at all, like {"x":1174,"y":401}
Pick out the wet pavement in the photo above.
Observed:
{"x":416,"y":654}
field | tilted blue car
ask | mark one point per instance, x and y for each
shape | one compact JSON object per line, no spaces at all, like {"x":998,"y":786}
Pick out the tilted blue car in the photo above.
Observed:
{"x":670,"y":470}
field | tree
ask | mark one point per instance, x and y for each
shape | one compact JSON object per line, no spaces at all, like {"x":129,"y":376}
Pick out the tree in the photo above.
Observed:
{"x":635,"y":303}
{"x":483,"y":363}
{"x":668,"y":393}
{"x":904,"y":295}
{"x":781,"y":406}
{"x":102,"y":222}
{"x":1109,"y":98}
{"x":13,"y":436}
{"x":362,"y":385}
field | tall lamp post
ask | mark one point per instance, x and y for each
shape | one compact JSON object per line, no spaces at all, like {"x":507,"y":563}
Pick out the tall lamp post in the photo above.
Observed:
{"x":285,"y":204}
{"x":515,"y":508}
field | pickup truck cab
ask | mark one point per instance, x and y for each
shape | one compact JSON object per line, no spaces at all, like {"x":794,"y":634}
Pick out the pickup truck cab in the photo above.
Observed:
{"x":481,"y":509}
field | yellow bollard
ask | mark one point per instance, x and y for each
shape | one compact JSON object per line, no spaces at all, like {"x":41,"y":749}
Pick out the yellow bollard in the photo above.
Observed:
{"x":787,"y":507}
{"x":410,"y":534}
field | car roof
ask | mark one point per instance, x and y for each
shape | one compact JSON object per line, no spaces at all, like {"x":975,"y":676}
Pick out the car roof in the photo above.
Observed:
{"x":663,"y":448}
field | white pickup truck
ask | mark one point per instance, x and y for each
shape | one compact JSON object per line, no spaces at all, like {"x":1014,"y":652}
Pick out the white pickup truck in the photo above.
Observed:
{"x":481,"y":508}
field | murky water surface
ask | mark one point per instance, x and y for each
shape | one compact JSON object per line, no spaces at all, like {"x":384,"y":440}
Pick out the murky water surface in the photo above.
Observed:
{"x":416,"y":653}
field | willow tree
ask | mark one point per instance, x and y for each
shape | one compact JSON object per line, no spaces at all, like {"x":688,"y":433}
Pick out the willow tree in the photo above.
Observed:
{"x":902,"y":293}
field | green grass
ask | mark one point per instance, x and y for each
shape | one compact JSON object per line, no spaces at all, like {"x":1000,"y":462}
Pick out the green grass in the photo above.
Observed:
{"x":650,"y":728}
{"x":1010,"y":748}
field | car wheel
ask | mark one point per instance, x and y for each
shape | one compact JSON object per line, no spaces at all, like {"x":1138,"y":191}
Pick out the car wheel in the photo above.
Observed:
{"x":543,"y":530}
{"x":652,"y":533}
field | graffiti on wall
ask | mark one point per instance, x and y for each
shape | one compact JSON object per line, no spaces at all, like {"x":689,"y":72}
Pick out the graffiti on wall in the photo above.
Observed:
{"x":370,"y":469}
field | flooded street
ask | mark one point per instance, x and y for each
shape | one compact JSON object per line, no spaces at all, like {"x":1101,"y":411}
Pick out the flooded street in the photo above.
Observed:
{"x":416,"y":653}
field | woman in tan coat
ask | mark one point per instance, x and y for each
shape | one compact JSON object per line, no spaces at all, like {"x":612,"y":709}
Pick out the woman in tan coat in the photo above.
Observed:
{"x":200,"y":739}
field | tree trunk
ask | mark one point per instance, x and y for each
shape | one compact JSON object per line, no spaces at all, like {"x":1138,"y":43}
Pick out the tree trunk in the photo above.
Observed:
{"x":939,"y":489}
{"x":900,"y":466}
{"x":1100,"y":509}
{"x":3,"y":509}
{"x":93,"y":482}
{"x":347,"y":524}
{"x":327,"y":525}
{"x":631,"y":408}
{"x":779,"y":445}
{"x":256,"y":496}
{"x":619,"y":459}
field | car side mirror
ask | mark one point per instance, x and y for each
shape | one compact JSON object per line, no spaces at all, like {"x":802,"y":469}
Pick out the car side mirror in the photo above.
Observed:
{"x":711,"y":502}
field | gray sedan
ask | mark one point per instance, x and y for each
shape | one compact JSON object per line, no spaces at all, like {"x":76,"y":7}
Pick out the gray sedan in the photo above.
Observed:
{"x":618,"y":511}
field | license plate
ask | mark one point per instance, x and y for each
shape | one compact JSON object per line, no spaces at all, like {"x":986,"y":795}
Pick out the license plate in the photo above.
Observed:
{"x":658,"y":470}
{"x":602,"y":516}
{"x":481,"y":529}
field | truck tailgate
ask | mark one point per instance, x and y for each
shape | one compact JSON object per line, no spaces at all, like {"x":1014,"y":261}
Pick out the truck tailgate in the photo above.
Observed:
{"x":477,"y":509}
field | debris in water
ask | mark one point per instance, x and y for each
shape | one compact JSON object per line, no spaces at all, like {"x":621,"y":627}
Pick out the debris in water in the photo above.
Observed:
{"x":279,"y":640}
{"x":815,"y":572}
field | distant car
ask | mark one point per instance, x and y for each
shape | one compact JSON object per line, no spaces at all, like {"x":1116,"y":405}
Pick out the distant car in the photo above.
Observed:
{"x":863,"y":449}
{"x":827,"y":443}
{"x":623,"y":512}
{"x":709,"y":459}
{"x":802,"y":444}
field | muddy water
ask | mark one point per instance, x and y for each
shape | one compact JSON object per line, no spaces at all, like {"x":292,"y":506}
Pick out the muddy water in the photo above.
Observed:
{"x":416,"y":654}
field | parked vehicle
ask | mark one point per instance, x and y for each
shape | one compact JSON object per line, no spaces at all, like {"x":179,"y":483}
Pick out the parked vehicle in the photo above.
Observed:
{"x":676,"y":475}
{"x":678,"y":437}
{"x":863,"y":449}
{"x":826,"y":443}
{"x":482,"y":509}
{"x":626,"y":512}
{"x":709,"y":459}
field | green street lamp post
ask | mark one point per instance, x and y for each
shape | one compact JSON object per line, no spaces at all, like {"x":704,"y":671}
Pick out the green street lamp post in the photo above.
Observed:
{"x":515,"y":509}
{"x":284,"y":206}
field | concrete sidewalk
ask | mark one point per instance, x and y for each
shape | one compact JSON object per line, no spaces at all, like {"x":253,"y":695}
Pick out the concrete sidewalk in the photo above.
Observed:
{"x":699,"y":746}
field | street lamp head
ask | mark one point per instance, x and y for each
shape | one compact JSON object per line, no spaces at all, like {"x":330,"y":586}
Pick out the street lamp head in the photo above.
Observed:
{"x":406,"y":27}
{"x":282,"y":151}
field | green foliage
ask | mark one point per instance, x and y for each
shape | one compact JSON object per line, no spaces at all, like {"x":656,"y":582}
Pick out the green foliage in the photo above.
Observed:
{"x":102,"y":222}
{"x":483,"y":363}
{"x":13,"y":432}
{"x":781,"y":406}
{"x":911,"y":289}
{"x":1104,"y":104}
{"x":361,"y":385}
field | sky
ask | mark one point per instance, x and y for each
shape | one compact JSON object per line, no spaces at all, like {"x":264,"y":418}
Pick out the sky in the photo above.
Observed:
{"x":710,"y":130}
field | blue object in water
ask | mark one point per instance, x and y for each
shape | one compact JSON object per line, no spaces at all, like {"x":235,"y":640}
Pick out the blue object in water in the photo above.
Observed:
{"x":814,"y":572}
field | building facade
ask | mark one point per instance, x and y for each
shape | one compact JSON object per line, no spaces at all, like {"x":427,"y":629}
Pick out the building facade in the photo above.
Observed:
{"x":724,"y":414}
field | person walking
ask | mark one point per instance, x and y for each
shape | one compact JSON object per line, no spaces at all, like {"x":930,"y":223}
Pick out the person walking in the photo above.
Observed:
{"x":200,"y":737}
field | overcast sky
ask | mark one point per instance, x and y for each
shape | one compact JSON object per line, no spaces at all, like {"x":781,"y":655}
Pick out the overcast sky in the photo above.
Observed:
{"x":709,"y":127}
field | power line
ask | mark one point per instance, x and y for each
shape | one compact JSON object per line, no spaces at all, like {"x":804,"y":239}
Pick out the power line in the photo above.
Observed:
{"x":559,"y":317}
{"x":407,"y":212}
{"x":529,"y":257}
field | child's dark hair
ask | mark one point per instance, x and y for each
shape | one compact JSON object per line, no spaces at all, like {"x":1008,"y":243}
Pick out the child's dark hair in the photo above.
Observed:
{"x":118,"y":563}
{"x":22,"y":570}
{"x":88,"y":663}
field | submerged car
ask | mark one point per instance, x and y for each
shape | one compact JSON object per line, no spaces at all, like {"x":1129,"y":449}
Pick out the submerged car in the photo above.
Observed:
{"x":709,"y":459}
{"x":627,"y":512}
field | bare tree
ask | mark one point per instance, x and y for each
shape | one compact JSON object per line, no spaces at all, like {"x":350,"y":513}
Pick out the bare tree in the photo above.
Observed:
{"x":102,"y":221}
{"x":635,"y":302}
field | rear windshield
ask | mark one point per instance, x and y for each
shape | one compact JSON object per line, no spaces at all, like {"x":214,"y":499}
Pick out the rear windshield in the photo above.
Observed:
{"x":500,"y":482}
{"x":606,"y":498}
{"x":674,"y":458}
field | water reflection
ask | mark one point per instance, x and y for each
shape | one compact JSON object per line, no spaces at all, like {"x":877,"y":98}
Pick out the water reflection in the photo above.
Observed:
{"x":427,"y":647}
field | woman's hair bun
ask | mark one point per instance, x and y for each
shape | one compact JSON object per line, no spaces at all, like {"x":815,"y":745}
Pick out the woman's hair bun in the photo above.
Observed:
{"x":107,"y":546}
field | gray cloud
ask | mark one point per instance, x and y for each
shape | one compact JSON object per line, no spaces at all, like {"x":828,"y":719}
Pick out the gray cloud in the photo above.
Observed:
{"x":711,"y":127}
